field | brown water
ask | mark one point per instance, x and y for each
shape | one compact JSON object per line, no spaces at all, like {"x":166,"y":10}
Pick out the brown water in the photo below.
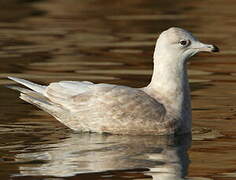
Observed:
{"x":112,"y":42}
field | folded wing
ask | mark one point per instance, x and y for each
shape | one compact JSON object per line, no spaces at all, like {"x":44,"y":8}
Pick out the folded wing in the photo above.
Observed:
{"x":96,"y":107}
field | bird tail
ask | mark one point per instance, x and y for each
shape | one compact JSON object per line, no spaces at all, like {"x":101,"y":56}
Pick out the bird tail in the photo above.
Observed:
{"x":33,"y":86}
{"x":36,"y":95}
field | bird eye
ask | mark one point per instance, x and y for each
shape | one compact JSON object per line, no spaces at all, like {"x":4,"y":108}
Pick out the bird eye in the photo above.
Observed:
{"x":184,"y":42}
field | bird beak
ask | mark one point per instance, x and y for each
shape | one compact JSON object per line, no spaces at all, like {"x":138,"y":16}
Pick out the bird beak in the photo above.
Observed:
{"x":206,"y":47}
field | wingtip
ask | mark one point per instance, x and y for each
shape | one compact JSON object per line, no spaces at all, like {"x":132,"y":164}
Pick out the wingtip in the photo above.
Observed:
{"x":18,"y":80}
{"x":12,"y":78}
{"x":17,"y":88}
{"x":33,"y":86}
{"x":13,"y":87}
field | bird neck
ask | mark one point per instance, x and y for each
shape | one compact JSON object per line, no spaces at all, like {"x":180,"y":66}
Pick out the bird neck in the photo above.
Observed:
{"x":170,"y":78}
{"x":169,"y":85}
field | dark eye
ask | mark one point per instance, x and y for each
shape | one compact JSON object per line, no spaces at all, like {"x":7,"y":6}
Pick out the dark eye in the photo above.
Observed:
{"x":184,"y":42}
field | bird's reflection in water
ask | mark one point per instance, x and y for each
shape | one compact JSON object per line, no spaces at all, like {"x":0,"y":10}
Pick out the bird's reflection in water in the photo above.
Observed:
{"x":165,"y":156}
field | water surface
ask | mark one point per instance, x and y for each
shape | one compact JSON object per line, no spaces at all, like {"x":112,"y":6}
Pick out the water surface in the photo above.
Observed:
{"x":112,"y":42}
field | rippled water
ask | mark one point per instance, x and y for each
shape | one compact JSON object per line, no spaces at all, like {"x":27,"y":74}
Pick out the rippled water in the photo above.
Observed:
{"x":112,"y":42}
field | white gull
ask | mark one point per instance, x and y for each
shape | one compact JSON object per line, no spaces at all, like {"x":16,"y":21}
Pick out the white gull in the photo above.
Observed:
{"x":163,"y":107}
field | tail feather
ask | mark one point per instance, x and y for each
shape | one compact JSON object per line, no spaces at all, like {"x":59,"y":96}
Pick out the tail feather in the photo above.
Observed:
{"x":29,"y":92}
{"x":17,"y":88}
{"x":35,"y":87}
{"x":36,"y":95}
{"x":56,"y":111}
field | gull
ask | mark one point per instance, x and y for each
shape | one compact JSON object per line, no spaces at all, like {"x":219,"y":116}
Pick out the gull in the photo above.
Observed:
{"x":163,"y":107}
